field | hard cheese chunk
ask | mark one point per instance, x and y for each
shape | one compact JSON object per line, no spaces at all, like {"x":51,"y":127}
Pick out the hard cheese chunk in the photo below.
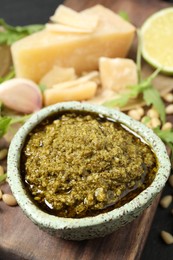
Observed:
{"x":79,"y":92}
{"x":36,"y":54}
{"x":117,"y":74}
{"x":57,"y":75}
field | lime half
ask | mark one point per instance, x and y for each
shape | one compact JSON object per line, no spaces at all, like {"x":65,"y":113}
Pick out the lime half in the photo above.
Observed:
{"x":157,"y":40}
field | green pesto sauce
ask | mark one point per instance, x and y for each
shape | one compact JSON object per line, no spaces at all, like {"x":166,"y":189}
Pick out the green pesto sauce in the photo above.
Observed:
{"x":79,"y":164}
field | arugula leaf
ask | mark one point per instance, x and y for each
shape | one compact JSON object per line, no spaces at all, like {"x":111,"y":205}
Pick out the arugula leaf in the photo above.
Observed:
{"x":124,"y":98}
{"x":15,"y":33}
{"x":6,"y":122}
{"x":42,"y":87}
{"x":124,"y":15}
{"x":171,"y":156}
{"x":4,"y":125}
{"x":146,"y":119}
{"x":152,"y":97}
{"x":10,"y":75}
{"x":167,"y":137}
{"x":3,"y":177}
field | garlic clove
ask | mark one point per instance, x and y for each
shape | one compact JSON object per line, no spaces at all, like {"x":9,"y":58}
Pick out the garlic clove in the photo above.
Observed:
{"x":21,"y":95}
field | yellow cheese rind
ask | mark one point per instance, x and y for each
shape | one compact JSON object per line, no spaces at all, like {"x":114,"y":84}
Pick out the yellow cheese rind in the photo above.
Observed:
{"x":80,"y":92}
{"x":34,"y":55}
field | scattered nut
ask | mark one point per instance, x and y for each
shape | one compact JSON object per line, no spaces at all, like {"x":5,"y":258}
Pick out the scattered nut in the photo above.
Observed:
{"x":0,"y":194}
{"x":167,"y":126}
{"x":3,"y":153}
{"x":166,"y":201}
{"x":134,"y":114}
{"x":168,"y":97}
{"x":140,"y":111}
{"x":9,"y":199}
{"x":149,"y":124}
{"x":152,"y":113}
{"x":169,"y":109}
{"x":155,"y":122}
{"x":171,"y":180}
{"x":167,"y":237}
{"x":1,"y":170}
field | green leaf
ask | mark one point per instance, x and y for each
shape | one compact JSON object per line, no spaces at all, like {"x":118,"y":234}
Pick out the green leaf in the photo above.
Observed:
{"x":15,"y":33}
{"x":19,"y":119}
{"x":146,"y":119}
{"x":6,"y":122}
{"x":165,"y":135}
{"x":10,"y":75}
{"x":3,"y":177}
{"x":171,"y":156}
{"x":139,"y":56}
{"x":119,"y":102}
{"x":4,"y":125}
{"x":42,"y":87}
{"x":152,"y":97}
{"x":124,"y":15}
{"x":133,"y":92}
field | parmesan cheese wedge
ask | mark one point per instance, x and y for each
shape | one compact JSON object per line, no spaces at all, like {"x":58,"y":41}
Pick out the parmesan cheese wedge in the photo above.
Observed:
{"x":58,"y":75}
{"x":66,"y":16}
{"x":80,"y":92}
{"x":117,"y":74}
{"x":34,"y":55}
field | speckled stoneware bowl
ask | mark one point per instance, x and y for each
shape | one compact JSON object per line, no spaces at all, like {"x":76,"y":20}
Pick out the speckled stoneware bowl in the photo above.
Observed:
{"x":87,"y":227}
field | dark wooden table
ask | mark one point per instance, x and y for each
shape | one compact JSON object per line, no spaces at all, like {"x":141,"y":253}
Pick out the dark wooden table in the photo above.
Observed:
{"x":19,"y":237}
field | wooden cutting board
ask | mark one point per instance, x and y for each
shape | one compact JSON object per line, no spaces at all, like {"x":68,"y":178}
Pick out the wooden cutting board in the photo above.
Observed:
{"x":21,"y":239}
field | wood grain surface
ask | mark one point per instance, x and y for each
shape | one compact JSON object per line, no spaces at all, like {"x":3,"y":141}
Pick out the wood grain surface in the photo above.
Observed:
{"x":21,"y":239}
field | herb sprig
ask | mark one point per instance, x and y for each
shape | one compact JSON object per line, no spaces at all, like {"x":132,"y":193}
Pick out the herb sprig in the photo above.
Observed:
{"x":167,"y":137}
{"x":10,"y":34}
{"x":10,"y":75}
{"x":143,"y":87}
{"x":3,"y":177}
{"x":6,"y":122}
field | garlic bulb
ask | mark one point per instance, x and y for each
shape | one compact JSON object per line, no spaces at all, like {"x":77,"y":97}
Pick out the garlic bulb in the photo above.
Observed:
{"x":21,"y":95}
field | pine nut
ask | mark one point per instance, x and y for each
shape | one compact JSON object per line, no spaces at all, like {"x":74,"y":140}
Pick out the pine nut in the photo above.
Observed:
{"x":0,"y":194}
{"x":167,"y":126}
{"x":167,"y":237}
{"x":149,"y":124}
{"x":152,"y":113}
{"x":166,"y":201}
{"x":1,"y":170}
{"x":168,"y":97}
{"x":9,"y":199}
{"x":169,"y":109}
{"x":155,"y":122}
{"x":3,"y":153}
{"x":140,"y":110}
{"x":134,"y":114}
{"x":171,"y":180}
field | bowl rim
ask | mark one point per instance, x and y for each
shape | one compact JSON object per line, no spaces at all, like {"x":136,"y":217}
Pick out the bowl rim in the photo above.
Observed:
{"x":46,"y":220}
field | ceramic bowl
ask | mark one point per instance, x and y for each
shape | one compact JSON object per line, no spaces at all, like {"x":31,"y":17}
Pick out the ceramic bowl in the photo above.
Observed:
{"x":102,"y":224}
